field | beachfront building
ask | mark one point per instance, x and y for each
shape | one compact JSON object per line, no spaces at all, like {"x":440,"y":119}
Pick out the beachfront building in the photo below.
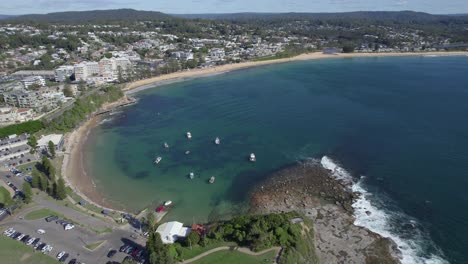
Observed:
{"x":10,"y":115}
{"x":182,"y":55}
{"x":63,"y":73}
{"x":171,"y":231}
{"x":85,"y":70}
{"x":57,"y":139}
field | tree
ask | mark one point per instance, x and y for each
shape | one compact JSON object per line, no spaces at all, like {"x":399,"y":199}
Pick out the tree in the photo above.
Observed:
{"x":150,"y":220}
{"x":51,"y":149}
{"x":43,"y":184}
{"x":32,"y":141}
{"x":82,"y":85}
{"x":67,"y":91}
{"x":348,"y":49}
{"x":36,"y":179}
{"x":157,"y":251}
{"x":192,"y":239}
{"x":27,"y":191}
{"x":60,"y":191}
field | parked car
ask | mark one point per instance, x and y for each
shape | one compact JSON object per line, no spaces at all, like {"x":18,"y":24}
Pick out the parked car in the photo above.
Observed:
{"x":40,"y":231}
{"x":30,"y":241}
{"x":64,"y":257}
{"x":51,"y":218}
{"x":69,"y":226}
{"x":41,"y":246}
{"x":59,"y":255}
{"x":25,"y":238}
{"x":35,"y":242}
{"x":20,"y":237}
{"x":73,"y":261}
{"x":111,"y":253}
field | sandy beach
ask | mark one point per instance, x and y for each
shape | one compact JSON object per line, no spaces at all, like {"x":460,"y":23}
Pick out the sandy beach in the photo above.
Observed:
{"x":73,"y":165}
{"x":196,"y":73}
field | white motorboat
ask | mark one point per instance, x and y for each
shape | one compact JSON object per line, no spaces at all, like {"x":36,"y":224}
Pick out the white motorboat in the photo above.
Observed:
{"x":212,"y":179}
{"x":187,"y":152}
{"x":217,"y":141}
{"x":252,"y":157}
{"x":166,"y":145}
{"x":157,"y":160}
{"x":167,"y":203}
{"x":191,"y":175}
{"x":189,"y":135}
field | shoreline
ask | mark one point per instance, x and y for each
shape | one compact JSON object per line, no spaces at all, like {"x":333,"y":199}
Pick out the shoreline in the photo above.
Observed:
{"x":74,"y":171}
{"x":72,"y":166}
{"x":179,"y":76}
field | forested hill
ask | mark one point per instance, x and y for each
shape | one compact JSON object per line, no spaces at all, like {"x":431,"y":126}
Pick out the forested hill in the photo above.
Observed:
{"x":93,"y":16}
{"x":374,"y":15}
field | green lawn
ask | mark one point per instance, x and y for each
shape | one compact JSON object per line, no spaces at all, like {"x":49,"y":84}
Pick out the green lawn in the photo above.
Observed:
{"x":235,"y":257}
{"x":40,"y":213}
{"x":93,"y":246}
{"x":12,"y":251}
{"x":187,"y":253}
{"x":4,"y":195}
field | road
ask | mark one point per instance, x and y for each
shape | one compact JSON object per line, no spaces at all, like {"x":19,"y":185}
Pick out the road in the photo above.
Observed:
{"x":240,"y":249}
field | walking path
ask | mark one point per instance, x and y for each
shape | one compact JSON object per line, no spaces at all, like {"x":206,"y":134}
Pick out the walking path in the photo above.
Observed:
{"x":240,"y":249}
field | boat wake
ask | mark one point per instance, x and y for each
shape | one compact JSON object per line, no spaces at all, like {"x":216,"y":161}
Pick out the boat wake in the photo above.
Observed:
{"x":380,"y":215}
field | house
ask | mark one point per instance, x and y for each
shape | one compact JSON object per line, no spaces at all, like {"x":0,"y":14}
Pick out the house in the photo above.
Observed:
{"x":33,"y":80}
{"x":171,"y":231}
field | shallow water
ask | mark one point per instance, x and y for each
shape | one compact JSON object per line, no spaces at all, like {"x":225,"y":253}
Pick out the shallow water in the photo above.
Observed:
{"x":401,"y":122}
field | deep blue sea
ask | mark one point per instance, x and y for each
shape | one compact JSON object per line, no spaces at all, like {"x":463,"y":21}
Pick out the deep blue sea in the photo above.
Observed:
{"x":398,"y":126}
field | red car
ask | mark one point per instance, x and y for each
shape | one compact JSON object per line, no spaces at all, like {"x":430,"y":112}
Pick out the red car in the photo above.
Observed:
{"x":159,"y":209}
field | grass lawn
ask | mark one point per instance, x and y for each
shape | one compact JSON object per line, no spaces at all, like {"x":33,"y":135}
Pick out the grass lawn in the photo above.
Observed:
{"x":235,"y":257}
{"x":12,"y":251}
{"x":93,"y":246}
{"x":4,"y":195}
{"x":186,"y":253}
{"x":40,"y":213}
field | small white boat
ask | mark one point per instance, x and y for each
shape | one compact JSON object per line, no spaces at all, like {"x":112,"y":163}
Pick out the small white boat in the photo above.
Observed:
{"x":167,"y":203}
{"x":191,"y":175}
{"x":252,"y":157}
{"x":187,"y":152}
{"x":212,"y":179}
{"x":189,"y":135}
{"x":166,"y":145}
{"x":157,"y":160}
{"x":217,"y":141}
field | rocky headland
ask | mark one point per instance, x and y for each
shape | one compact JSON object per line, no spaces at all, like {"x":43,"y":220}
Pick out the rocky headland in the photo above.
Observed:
{"x":310,"y":189}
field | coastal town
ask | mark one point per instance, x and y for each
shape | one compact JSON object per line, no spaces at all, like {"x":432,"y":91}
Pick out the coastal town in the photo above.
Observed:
{"x":59,"y":79}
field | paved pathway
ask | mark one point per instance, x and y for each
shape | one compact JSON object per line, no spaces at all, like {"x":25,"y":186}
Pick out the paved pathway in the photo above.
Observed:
{"x":240,"y":249}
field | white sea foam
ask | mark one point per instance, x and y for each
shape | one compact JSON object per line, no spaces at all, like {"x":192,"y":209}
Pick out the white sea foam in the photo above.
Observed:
{"x":380,"y":221}
{"x":105,"y":120}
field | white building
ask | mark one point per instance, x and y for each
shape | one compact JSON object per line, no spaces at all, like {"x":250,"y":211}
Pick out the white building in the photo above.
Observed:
{"x":57,"y":139}
{"x":182,"y":55}
{"x":62,"y":73}
{"x":31,"y":80}
{"x":171,"y":231}
{"x":85,"y":70}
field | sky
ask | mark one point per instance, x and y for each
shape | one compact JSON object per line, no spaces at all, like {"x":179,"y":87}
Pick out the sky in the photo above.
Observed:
{"x":15,"y":7}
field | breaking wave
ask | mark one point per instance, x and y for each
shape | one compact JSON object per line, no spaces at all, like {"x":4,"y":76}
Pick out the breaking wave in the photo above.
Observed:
{"x":379,"y":215}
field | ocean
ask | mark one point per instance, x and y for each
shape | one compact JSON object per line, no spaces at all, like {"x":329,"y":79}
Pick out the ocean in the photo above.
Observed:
{"x":396,"y":126}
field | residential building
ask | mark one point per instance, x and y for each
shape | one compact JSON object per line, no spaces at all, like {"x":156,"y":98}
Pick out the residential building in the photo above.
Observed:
{"x":182,"y":55}
{"x":85,"y":70}
{"x":49,"y":75}
{"x":63,"y":73}
{"x":33,"y":80}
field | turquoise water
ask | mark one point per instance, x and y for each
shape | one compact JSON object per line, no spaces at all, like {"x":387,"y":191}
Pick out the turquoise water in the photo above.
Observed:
{"x":400,"y":122}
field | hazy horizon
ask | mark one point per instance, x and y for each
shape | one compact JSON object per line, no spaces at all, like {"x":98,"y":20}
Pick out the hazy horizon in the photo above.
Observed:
{"x":12,"y":7}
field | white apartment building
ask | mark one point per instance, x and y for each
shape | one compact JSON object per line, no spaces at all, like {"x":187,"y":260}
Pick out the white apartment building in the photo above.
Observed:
{"x":31,"y":80}
{"x":62,"y":73}
{"x":85,"y":70}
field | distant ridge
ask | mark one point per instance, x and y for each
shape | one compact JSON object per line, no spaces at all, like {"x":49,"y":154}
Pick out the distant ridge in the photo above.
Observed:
{"x":5,"y":16}
{"x":93,"y":16}
{"x":377,"y":15}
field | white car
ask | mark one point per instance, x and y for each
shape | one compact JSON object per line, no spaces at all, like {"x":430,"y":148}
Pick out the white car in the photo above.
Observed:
{"x":30,"y":241}
{"x":20,"y":237}
{"x":69,"y":226}
{"x":8,"y":232}
{"x":40,"y":231}
{"x":60,"y":255}
{"x":47,"y":248}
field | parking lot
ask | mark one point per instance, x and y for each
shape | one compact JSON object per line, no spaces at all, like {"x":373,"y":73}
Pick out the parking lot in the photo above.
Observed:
{"x":74,"y":241}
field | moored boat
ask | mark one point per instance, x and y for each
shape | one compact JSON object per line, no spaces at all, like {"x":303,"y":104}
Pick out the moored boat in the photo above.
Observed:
{"x":157,"y":160}
{"x":189,"y":135}
{"x":252,"y":157}
{"x":217,"y":141}
{"x":212,"y":179}
{"x":167,"y":203}
{"x":191,"y":175}
{"x":166,"y":145}
{"x":187,"y":152}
